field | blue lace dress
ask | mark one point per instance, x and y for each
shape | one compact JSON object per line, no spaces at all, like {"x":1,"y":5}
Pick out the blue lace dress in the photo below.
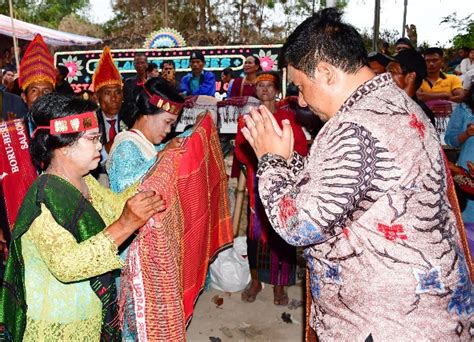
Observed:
{"x":460,"y":118}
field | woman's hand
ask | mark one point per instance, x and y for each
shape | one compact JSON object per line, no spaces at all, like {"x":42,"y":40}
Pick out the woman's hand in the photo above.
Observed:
{"x":136,"y":212}
{"x":470,"y":129}
{"x":139,"y":208}
{"x":174,"y":143}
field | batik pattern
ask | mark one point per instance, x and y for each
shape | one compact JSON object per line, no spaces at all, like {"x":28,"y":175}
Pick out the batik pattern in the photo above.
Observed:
{"x":370,"y":205}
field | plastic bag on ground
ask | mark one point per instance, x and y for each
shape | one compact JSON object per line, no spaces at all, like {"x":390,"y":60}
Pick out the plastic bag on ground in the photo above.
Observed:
{"x":230,"y":272}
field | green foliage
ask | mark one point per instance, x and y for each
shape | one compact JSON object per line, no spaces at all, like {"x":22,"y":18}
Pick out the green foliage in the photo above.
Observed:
{"x":43,"y":12}
{"x":464,"y":27}
{"x":226,"y":21}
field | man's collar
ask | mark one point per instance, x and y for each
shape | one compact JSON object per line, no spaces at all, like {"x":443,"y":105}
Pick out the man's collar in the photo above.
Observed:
{"x":202,"y":73}
{"x":106,"y":118}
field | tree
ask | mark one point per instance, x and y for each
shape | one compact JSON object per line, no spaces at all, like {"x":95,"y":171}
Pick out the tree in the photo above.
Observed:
{"x":464,"y":28}
{"x":209,"y":22}
{"x":74,"y":23}
{"x":43,"y":12}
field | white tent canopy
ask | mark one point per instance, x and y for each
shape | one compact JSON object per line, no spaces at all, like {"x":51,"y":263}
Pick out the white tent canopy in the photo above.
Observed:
{"x":28,"y":31}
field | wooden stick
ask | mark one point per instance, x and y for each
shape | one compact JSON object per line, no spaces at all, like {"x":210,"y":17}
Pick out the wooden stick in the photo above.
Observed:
{"x":239,"y":201}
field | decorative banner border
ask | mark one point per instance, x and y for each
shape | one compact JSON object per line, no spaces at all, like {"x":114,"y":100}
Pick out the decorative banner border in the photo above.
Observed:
{"x":81,"y":64}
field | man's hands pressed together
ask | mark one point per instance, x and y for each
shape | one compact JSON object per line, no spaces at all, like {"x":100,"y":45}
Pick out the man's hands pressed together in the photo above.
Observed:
{"x":265,"y":135}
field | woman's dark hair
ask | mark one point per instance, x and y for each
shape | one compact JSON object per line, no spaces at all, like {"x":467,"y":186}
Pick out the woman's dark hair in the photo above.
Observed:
{"x":470,"y":97}
{"x":228,"y":71}
{"x":142,"y":106}
{"x":49,"y":107}
{"x":151,"y":66}
{"x":324,"y":38}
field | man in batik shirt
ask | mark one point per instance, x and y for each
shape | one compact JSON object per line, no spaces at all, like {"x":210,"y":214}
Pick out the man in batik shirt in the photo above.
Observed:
{"x":370,"y":203}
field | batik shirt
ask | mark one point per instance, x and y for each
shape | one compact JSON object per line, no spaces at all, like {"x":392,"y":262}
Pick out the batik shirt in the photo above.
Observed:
{"x":370,"y":205}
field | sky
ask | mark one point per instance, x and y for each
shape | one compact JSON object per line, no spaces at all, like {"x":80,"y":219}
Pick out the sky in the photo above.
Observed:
{"x":425,"y":14}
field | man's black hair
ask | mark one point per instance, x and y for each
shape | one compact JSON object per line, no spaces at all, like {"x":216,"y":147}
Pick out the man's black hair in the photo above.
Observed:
{"x":228,"y":71}
{"x":404,"y":41}
{"x":151,"y":66}
{"x":7,"y":69}
{"x":434,"y":50}
{"x":168,"y":61}
{"x":140,"y":54}
{"x":412,"y":61}
{"x":324,"y":38}
{"x":63,"y":70}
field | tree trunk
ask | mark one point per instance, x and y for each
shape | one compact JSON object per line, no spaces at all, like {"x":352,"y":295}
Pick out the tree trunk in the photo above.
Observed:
{"x":405,"y":5}
{"x":202,"y":17}
{"x":241,"y":20}
{"x":165,"y":19}
{"x":376,"y":25}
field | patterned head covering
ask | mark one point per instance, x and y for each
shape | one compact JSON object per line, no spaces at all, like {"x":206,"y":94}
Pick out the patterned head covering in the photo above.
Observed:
{"x":37,"y":64}
{"x":106,"y":72}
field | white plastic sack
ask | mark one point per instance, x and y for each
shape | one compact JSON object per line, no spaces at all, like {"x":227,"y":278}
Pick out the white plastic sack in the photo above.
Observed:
{"x":230,"y":272}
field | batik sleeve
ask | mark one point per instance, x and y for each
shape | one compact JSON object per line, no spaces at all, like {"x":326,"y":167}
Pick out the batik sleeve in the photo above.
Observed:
{"x":314,"y":205}
{"x":67,"y":259}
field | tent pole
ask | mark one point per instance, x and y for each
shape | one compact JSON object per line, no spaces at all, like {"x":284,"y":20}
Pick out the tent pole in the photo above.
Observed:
{"x":15,"y":41}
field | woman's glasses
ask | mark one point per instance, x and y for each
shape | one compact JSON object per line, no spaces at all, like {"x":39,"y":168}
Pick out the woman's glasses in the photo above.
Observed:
{"x":94,"y":138}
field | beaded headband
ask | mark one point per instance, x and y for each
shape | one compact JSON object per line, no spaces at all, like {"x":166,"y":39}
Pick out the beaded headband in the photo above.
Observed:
{"x":267,"y":77}
{"x":166,"y":105}
{"x":71,"y":124}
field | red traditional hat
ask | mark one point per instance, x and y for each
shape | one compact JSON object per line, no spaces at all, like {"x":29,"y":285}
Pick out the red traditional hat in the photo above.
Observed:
{"x":37,"y":64}
{"x":106,"y":72}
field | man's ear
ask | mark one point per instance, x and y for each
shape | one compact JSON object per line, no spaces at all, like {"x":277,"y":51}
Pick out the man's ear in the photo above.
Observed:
{"x":326,"y":72}
{"x":410,"y":78}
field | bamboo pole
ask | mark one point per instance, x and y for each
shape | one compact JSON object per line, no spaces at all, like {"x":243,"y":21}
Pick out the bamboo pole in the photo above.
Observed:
{"x":405,"y":6}
{"x":239,"y":201}
{"x":15,"y":42}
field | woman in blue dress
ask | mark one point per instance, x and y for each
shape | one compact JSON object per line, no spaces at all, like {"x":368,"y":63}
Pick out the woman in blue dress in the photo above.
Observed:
{"x":156,"y":109}
{"x":460,"y":134}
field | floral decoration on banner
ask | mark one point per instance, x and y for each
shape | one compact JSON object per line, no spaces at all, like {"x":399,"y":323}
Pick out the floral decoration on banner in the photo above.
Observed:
{"x":267,"y":60}
{"x":74,"y":66}
{"x":164,"y":38}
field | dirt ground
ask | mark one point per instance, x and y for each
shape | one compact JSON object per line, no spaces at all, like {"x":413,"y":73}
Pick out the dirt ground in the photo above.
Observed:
{"x":235,"y":320}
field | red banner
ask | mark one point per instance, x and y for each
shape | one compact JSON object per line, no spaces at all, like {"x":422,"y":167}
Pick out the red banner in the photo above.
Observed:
{"x":17,"y":172}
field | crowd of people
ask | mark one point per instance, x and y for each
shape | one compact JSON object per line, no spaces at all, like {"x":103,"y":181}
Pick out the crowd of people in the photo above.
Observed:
{"x":371,"y":201}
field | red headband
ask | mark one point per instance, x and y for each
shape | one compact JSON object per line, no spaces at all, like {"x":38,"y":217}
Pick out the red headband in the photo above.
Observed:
{"x":167,"y":105}
{"x":267,"y":77}
{"x":71,"y":124}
